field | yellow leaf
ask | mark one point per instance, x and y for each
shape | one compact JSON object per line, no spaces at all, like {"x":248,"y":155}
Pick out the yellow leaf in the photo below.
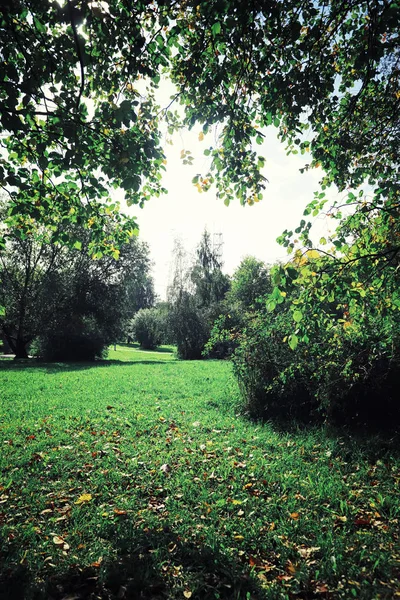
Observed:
{"x":187,"y":594}
{"x":201,"y":136}
{"x":183,"y":153}
{"x":312,"y":253}
{"x":84,"y":498}
{"x":238,"y":538}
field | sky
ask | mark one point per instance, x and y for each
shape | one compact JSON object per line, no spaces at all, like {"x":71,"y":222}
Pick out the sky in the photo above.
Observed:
{"x":248,"y":230}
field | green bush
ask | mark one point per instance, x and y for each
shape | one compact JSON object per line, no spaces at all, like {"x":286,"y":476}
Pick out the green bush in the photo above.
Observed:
{"x":272,"y":384}
{"x":78,"y":340}
{"x":146,"y":328}
{"x":343,"y":375}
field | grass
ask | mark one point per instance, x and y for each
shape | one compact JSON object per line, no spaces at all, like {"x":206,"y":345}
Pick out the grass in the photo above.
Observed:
{"x":136,"y":478}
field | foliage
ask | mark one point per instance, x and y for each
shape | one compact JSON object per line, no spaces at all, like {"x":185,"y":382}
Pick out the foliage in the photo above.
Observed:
{"x":146,"y":328}
{"x":195,"y":297}
{"x":76,"y":122}
{"x":65,"y":297}
{"x":73,"y":337}
{"x":249,"y":284}
{"x":139,"y":475}
{"x":346,"y":370}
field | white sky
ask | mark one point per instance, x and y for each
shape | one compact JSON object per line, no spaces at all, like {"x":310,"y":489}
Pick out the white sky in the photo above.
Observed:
{"x":249,"y":230}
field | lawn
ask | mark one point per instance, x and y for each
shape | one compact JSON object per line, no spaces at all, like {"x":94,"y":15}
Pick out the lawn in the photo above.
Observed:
{"x":138,"y":478}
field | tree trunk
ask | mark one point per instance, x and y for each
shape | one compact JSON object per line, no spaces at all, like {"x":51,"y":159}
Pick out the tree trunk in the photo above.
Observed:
{"x":20,"y":349}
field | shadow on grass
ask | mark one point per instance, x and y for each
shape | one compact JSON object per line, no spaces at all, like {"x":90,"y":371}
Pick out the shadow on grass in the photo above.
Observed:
{"x":136,"y":346}
{"x":58,"y":367}
{"x":149,"y":565}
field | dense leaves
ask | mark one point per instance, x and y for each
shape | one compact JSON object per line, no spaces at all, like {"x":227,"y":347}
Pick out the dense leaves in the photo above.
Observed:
{"x":75,"y":122}
{"x":75,"y":305}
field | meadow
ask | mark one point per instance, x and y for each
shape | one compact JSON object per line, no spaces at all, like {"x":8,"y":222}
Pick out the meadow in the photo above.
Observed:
{"x":138,"y":477}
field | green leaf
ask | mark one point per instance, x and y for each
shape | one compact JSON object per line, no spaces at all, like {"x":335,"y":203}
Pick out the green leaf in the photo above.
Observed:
{"x":297,"y":316}
{"x":293,"y":341}
{"x":216,"y":28}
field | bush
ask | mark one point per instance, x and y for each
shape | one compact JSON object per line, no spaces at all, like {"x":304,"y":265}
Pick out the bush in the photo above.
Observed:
{"x":77,"y":340}
{"x":343,"y":375}
{"x":146,"y":328}
{"x":271,"y":383}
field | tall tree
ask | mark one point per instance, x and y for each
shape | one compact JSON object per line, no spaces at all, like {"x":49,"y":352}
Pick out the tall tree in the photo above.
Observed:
{"x":210,"y":284}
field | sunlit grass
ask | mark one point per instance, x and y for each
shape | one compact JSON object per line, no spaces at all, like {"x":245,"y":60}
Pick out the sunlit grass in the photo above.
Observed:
{"x":136,"y":478}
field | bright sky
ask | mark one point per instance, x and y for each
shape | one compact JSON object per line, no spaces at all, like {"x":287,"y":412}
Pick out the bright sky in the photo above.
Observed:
{"x":249,"y":230}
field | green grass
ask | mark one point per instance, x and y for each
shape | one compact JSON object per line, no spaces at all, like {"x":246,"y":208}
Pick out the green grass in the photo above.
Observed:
{"x":136,"y":478}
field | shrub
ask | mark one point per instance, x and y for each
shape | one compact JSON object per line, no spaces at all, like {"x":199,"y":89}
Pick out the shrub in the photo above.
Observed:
{"x":146,"y":328}
{"x":79,"y":340}
{"x":343,"y":375}
{"x":271,"y":383}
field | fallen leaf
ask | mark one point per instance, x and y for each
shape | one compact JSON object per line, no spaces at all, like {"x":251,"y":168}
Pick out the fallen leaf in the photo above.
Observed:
{"x":119,"y":512}
{"x":187,"y":594}
{"x":362,"y":522}
{"x":290,"y":568}
{"x":294,"y":515}
{"x":58,"y":541}
{"x":321,"y":588}
{"x":238,"y":538}
{"x":97,"y":562}
{"x":84,"y":498}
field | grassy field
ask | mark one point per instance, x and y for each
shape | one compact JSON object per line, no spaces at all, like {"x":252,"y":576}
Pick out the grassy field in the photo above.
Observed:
{"x":136,"y":478}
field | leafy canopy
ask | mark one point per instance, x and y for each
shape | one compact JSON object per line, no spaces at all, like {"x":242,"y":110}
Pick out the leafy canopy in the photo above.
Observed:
{"x":74,"y":124}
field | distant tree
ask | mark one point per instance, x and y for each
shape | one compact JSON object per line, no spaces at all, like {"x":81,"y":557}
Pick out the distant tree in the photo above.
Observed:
{"x":146,"y":328}
{"x":250,"y":282}
{"x":189,"y":326}
{"x":195,"y":296}
{"x":210,"y":284}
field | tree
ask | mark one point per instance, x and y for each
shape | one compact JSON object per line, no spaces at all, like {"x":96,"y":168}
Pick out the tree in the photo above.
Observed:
{"x":210,"y":284}
{"x":195,"y":296}
{"x":250,"y":285}
{"x":250,"y":282}
{"x":47,"y":288}
{"x":74,"y":124}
